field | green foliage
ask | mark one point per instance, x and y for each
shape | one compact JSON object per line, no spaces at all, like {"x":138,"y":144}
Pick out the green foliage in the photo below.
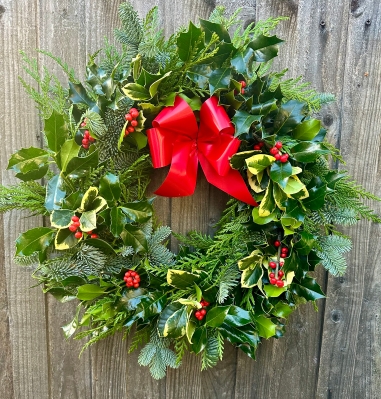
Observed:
{"x":211,"y":353}
{"x":28,"y":195}
{"x":157,"y":355}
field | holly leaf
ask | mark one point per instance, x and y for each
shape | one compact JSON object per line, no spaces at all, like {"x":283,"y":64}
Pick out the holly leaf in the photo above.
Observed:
{"x":267,"y":205}
{"x":55,"y":193}
{"x":188,"y":42}
{"x":280,"y":171}
{"x":266,"y":328}
{"x":200,"y":74}
{"x":109,"y":187}
{"x":216,"y":316}
{"x":173,"y":321}
{"x":136,"y":92}
{"x":238,"y":160}
{"x":55,"y":130}
{"x":134,"y":237}
{"x":88,"y":221}
{"x":316,"y":198}
{"x":181,"y":279}
{"x":80,"y":166}
{"x":34,"y":240}
{"x":219,"y":79}
{"x":68,"y":151}
{"x":308,"y":152}
{"x":211,"y":28}
{"x":88,"y":292}
{"x":282,"y":309}
{"x":261,"y":220}
{"x":251,"y":261}
{"x":139,"y":212}
{"x":61,"y":218}
{"x":243,"y":121}
{"x":78,"y":95}
{"x":242,"y":61}
{"x":237,"y":317}
{"x":265,"y":47}
{"x":29,"y":163}
{"x":91,"y":201}
{"x":290,"y":114}
{"x":273,"y":291}
{"x":118,"y":221}
{"x":155,"y":85}
{"x":259,"y":162}
{"x":305,"y":243}
{"x":308,"y":288}
{"x":293,"y":185}
{"x":250,"y":277}
{"x":307,"y":130}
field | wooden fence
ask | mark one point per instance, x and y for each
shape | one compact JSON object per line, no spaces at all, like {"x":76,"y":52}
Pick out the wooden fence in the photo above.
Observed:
{"x":334,"y":353}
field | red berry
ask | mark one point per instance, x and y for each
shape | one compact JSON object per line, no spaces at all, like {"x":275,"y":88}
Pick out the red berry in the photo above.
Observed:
{"x":94,"y":236}
{"x":278,"y":145}
{"x":133,"y":273}
{"x":130,"y":284}
{"x":72,"y":228}
{"x":242,"y":91}
{"x":91,"y":139}
{"x":277,"y":157}
{"x":197,"y":313}
{"x":277,"y":243}
{"x":128,"y":117}
{"x":83,"y":124}
{"x":272,"y":265}
{"x":130,"y":129}
{"x":243,"y":83}
{"x":127,"y":274}
{"x":129,"y":279}
{"x":75,"y":218}
{"x":284,"y":158}
{"x":137,"y":279}
{"x":284,"y":249}
{"x":281,"y":263}
{"x":272,"y":275}
{"x":76,"y":224}
{"x":136,"y":285}
{"x":85,"y":141}
{"x":133,"y":110}
{"x":283,"y":255}
{"x":257,"y":147}
{"x":78,"y":235}
{"x":261,"y":144}
{"x":280,"y":274}
{"x":272,"y":281}
{"x":86,"y":133}
{"x":206,"y":303}
{"x":274,"y":150}
{"x":86,"y":147}
{"x":203,"y":312}
{"x":134,"y":123}
{"x":280,"y":283}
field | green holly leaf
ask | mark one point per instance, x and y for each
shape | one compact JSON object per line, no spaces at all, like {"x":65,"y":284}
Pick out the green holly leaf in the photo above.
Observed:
{"x":305,"y":243}
{"x":138,"y":139}
{"x":307,"y":288}
{"x":265,"y":47}
{"x":272,"y":291}
{"x":173,"y":321}
{"x":78,"y":95}
{"x":280,"y":197}
{"x":134,"y":237}
{"x":55,"y":131}
{"x":316,"y":199}
{"x":237,"y":317}
{"x":188,"y":42}
{"x":34,"y":240}
{"x":230,"y":100}
{"x":245,"y":335}
{"x":264,"y":108}
{"x":251,"y":277}
{"x":261,"y":220}
{"x":91,"y":201}
{"x":308,"y":152}
{"x":267,"y":205}
{"x":293,"y":186}
{"x":118,"y":221}
{"x":290,"y":114}
{"x":243,"y":121}
{"x":259,"y":162}
{"x":216,"y":316}
{"x":266,"y":328}
{"x":219,"y":79}
{"x":136,"y":92}
{"x":80,"y":166}
{"x":61,"y":218}
{"x":199,"y":340}
{"x":200,"y":74}
{"x":88,"y":292}
{"x":238,"y":160}
{"x":282,"y":309}
{"x":29,"y":163}
{"x":139,"y":212}
{"x":280,"y":171}
{"x":55,"y":193}
{"x":211,"y":28}
{"x":155,"y":86}
{"x":88,"y":221}
{"x":251,"y":261}
{"x":109,"y":187}
{"x":242,"y":61}
{"x":181,"y":279}
{"x":307,"y":130}
{"x":68,"y":151}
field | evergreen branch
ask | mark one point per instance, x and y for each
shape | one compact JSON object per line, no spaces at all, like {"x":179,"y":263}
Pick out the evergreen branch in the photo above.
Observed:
{"x":211,"y":353}
{"x":65,"y":67}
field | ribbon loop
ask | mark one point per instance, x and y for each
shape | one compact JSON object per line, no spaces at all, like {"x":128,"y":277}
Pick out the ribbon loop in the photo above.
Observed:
{"x":176,"y":139}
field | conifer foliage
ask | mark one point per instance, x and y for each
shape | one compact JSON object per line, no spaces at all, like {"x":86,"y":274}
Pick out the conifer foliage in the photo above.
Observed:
{"x":103,"y":246}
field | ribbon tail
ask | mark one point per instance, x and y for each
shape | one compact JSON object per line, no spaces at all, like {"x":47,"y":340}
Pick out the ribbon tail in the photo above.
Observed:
{"x":231,"y":183}
{"x":182,"y":175}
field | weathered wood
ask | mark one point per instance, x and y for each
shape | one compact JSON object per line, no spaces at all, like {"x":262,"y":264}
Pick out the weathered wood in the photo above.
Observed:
{"x":351,"y":335}
{"x":26,"y":306}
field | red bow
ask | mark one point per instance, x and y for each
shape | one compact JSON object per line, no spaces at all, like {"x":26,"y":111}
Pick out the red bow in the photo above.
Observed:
{"x":176,"y":139}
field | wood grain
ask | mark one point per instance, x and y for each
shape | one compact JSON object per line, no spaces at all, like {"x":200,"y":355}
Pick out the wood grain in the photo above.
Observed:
{"x":351,"y":340}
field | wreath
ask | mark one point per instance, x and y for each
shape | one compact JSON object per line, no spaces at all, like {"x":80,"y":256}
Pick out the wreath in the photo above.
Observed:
{"x":204,"y":96}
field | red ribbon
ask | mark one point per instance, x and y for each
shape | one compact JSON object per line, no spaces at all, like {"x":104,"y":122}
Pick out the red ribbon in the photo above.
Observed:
{"x":176,"y":139}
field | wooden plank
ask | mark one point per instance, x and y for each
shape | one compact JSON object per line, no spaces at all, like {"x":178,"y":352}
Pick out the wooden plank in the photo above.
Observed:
{"x":19,"y":127}
{"x":351,"y":339}
{"x":314,"y":35}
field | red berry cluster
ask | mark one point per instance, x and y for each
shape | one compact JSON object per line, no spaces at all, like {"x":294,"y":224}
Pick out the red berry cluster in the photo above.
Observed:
{"x":243,"y":85}
{"x":200,"y":314}
{"x":278,"y":155}
{"x":284,"y":252}
{"x":277,"y":281}
{"x":74,"y":227}
{"x":275,"y":276}
{"x":133,"y":113}
{"x":132,"y":279}
{"x":258,"y":146}
{"x":87,"y":140}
